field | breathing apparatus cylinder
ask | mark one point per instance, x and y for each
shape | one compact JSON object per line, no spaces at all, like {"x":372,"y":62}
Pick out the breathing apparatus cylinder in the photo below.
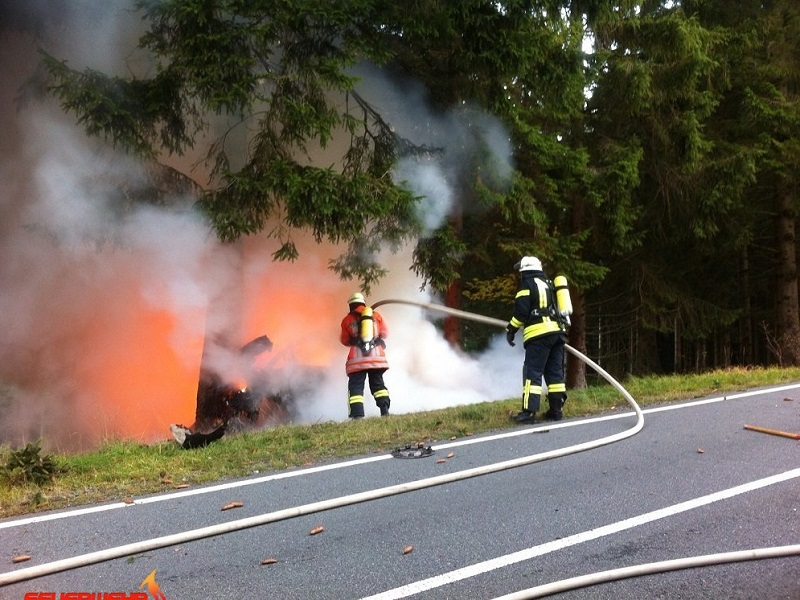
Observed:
{"x":563,"y":301}
{"x":367,"y":329}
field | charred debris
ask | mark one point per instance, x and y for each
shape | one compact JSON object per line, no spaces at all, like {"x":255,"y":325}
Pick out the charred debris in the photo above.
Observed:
{"x":226,"y":407}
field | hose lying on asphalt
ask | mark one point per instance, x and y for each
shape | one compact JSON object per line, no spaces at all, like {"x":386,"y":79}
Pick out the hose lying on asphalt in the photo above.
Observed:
{"x":306,"y":509}
{"x":677,"y":564}
{"x":565,"y":585}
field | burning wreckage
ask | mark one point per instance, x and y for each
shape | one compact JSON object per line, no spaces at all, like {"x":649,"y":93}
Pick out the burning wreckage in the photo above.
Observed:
{"x":232,"y":406}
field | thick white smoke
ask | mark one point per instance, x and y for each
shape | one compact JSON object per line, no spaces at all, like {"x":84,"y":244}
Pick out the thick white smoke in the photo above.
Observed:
{"x":103,"y":316}
{"x":452,"y":138}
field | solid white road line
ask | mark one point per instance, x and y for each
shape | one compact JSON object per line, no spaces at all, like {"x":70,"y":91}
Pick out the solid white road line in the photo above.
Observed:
{"x":360,"y":461}
{"x":593,"y":534}
{"x":373,"y":494}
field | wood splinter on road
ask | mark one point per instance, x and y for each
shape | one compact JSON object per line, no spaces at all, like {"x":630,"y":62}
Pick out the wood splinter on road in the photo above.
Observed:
{"x":794,"y":436}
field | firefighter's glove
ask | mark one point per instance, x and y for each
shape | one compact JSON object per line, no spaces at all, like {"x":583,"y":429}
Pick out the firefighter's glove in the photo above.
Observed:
{"x":510,"y":333}
{"x":379,"y":342}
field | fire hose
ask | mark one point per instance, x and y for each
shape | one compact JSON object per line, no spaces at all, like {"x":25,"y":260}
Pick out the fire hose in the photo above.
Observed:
{"x":306,"y":509}
{"x":677,"y":564}
{"x":537,"y":592}
{"x":574,"y":583}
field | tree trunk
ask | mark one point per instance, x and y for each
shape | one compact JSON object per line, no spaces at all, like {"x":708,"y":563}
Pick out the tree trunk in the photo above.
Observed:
{"x":223,"y":334}
{"x":452,"y":325}
{"x":452,"y":299}
{"x":746,"y":322}
{"x":576,"y":369}
{"x":788,"y":311}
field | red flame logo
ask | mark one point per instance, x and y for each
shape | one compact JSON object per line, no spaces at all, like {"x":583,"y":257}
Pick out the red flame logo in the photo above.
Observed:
{"x":152,"y":586}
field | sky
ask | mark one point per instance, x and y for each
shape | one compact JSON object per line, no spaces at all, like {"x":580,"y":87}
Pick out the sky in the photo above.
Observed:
{"x":102,"y":341}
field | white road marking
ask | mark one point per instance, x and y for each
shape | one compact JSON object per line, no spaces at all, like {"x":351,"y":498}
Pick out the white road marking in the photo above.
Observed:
{"x":351,"y":463}
{"x":593,"y":534}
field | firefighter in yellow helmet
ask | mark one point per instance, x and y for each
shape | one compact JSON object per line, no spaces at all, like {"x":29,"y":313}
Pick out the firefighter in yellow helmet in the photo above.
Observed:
{"x":364,"y":331}
{"x":543,"y":336}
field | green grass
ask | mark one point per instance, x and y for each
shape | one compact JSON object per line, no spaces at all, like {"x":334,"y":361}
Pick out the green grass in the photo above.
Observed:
{"x":122,"y":470}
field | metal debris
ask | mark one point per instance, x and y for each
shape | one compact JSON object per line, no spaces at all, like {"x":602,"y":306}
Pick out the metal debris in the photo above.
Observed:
{"x":188,"y":440}
{"x":413,"y":451}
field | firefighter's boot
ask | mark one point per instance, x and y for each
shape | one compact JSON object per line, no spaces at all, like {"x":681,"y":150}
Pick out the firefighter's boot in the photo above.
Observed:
{"x":383,"y":404}
{"x":530,"y":403}
{"x":556,"y":401}
{"x":356,"y":410}
{"x":525,"y":416}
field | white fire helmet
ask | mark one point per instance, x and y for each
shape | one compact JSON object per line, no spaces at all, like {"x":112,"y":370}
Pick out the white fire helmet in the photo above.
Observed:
{"x":357,"y":298}
{"x":528,"y":263}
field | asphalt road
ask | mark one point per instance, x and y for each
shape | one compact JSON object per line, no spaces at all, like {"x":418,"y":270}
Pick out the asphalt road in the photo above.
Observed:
{"x":692,"y":482}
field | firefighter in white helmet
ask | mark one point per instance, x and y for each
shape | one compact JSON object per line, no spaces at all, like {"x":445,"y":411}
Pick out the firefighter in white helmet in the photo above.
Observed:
{"x":543,"y":336}
{"x":364,"y":331}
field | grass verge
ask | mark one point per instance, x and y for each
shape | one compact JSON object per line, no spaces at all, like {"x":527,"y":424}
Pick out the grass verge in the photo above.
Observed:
{"x":122,"y":470}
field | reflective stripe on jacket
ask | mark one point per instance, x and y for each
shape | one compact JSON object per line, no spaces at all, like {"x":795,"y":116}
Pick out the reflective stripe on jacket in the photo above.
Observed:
{"x":534,"y":307}
{"x":356,"y":359}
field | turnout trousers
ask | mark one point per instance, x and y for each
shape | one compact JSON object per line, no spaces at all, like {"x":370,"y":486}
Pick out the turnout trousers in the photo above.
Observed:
{"x":544,"y":356}
{"x":355,"y":390}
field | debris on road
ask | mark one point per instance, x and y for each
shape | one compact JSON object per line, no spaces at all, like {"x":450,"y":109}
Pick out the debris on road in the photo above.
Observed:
{"x":418,"y":450}
{"x":794,"y":436}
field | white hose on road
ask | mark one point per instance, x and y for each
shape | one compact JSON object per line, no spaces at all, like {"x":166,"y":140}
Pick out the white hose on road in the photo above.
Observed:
{"x":307,"y":509}
{"x":677,"y":564}
{"x":574,"y":583}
